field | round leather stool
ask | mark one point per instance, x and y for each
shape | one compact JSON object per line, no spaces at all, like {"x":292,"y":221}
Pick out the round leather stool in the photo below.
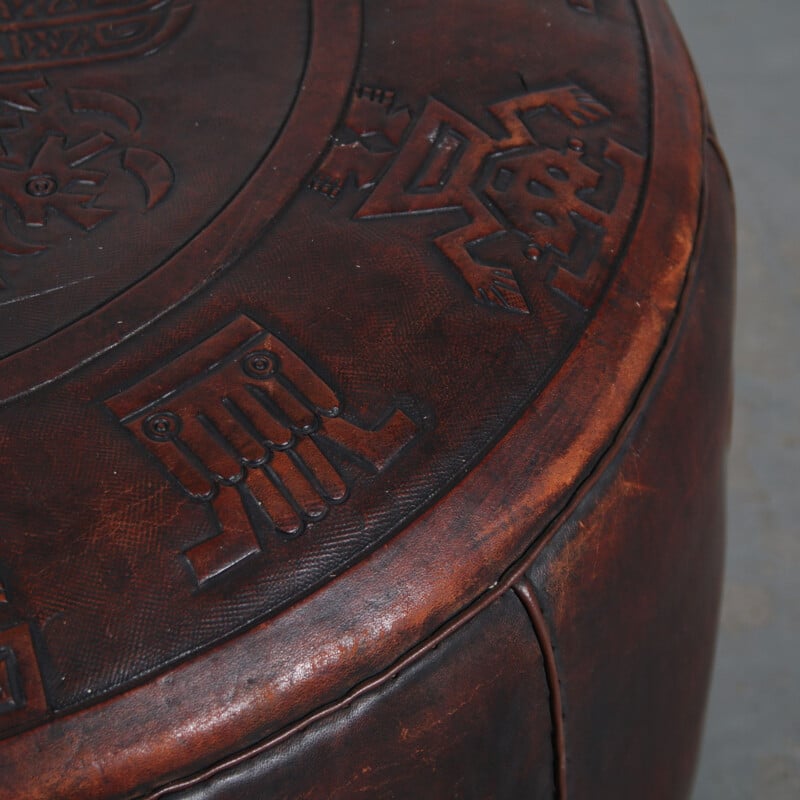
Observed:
{"x":364,"y":397}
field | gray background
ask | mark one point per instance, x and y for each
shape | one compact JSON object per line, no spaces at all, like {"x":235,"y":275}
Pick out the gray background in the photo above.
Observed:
{"x":748,"y":55}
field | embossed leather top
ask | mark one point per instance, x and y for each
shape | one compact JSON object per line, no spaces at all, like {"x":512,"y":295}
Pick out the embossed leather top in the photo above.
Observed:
{"x":318,"y":322}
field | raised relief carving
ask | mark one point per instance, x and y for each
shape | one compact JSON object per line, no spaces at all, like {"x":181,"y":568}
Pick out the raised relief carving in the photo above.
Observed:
{"x":247,"y":428}
{"x":59,"y":151}
{"x":369,"y":137}
{"x":39,"y":34}
{"x":554,"y":202}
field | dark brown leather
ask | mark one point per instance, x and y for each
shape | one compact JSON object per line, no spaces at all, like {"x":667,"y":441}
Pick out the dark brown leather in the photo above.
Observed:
{"x":629,"y":575}
{"x":364,"y":395}
{"x":471,"y":719}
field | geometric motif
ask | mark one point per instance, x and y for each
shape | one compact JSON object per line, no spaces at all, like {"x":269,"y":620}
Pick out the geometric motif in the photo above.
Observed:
{"x":548,"y":199}
{"x":245,"y":427}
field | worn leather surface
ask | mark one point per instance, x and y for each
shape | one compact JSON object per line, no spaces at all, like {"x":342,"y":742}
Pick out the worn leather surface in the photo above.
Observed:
{"x":634,"y":575}
{"x":332,"y":282}
{"x":313,"y":317}
{"x":469,"y":720}
{"x":630,"y":576}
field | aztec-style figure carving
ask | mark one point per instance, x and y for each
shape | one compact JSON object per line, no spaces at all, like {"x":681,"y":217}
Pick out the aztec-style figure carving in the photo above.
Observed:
{"x":39,"y":34}
{"x":244,"y":426}
{"x":549,"y":198}
{"x":58,"y":149}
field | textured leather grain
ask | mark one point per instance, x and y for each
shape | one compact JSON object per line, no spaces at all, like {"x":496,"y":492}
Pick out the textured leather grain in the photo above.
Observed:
{"x":363,"y":399}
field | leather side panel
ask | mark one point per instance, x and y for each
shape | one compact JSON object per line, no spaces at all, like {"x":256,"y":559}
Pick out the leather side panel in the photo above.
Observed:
{"x":469,"y":720}
{"x":630,"y":585}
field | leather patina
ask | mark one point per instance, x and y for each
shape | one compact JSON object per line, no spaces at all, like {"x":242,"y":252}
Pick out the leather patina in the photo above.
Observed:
{"x":357,"y":359}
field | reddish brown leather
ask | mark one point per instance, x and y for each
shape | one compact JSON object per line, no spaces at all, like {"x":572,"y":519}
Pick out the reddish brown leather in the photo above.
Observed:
{"x":363,"y":393}
{"x":628,"y":575}
{"x":471,"y":719}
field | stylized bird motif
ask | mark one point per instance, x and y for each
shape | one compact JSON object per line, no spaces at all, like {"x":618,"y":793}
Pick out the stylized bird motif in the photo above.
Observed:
{"x":243,"y":425}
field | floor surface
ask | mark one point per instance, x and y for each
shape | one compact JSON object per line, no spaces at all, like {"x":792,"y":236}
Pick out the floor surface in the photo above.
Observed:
{"x":748,"y":56}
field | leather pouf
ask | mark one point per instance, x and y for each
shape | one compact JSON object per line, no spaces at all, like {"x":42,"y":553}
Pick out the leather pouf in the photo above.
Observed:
{"x":364,"y":397}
